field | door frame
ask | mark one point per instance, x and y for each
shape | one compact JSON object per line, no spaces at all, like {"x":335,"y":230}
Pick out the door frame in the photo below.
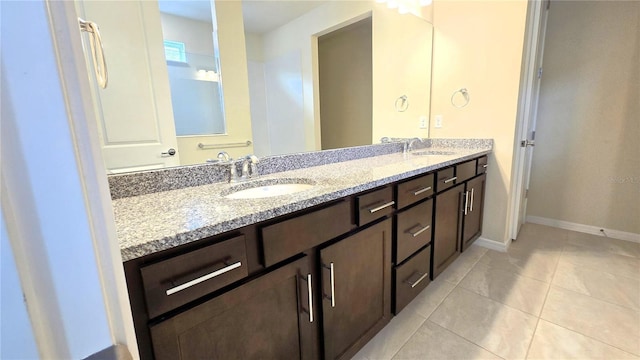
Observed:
{"x":527,"y":108}
{"x":76,"y":87}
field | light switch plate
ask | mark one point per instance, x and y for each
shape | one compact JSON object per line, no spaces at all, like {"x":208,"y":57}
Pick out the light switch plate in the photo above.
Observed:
{"x":423,"y":122}
{"x":438,"y":121}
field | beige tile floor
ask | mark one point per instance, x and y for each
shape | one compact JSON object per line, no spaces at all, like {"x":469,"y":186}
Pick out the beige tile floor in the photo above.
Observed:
{"x":556,"y":294}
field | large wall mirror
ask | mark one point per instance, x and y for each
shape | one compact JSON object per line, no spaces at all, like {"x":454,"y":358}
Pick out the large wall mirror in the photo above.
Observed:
{"x":189,"y":79}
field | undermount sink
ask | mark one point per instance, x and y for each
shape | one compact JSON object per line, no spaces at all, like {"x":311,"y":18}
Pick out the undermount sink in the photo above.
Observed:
{"x":433,"y":152}
{"x":268,"y":188}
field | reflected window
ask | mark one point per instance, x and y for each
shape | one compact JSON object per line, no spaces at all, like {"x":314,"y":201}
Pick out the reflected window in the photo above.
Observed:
{"x":174,"y":51}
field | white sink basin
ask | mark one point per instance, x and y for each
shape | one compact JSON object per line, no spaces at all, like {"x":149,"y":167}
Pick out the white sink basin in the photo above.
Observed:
{"x":433,"y":152}
{"x":269,"y":190}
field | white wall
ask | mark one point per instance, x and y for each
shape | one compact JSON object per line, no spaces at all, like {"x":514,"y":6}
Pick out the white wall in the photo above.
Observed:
{"x":585,"y":164}
{"x":16,"y":335}
{"x":197,"y":114}
{"x":229,"y":30}
{"x":49,"y":229}
{"x":478,"y":45}
{"x":388,"y":27}
{"x":402,"y":50}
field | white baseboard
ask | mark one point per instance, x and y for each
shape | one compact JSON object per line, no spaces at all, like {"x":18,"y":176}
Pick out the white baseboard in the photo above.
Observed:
{"x":588,"y":229}
{"x":492,"y":244}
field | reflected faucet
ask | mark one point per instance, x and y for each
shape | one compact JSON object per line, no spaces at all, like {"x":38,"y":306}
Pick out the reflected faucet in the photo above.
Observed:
{"x":224,"y":156}
{"x":249,"y":166}
{"x":408,"y":145}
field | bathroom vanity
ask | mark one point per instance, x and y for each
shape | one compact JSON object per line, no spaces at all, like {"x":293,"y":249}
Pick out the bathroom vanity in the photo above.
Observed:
{"x":312,"y":274}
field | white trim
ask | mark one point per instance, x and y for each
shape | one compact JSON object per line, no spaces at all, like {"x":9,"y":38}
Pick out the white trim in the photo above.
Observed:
{"x":527,"y":80}
{"x":93,"y":178}
{"x":587,"y":229}
{"x":493,"y":244}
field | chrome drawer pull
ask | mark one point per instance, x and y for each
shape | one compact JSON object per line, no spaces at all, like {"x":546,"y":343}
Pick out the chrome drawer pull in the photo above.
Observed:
{"x":416,"y":193}
{"x":466,"y":202}
{"x":471,"y":207}
{"x":333,"y":286}
{"x":390,"y":203}
{"x":420,"y":231}
{"x":485,"y":166}
{"x":450,"y":180}
{"x":414,"y":284}
{"x":309,"y":288}
{"x":189,"y":284}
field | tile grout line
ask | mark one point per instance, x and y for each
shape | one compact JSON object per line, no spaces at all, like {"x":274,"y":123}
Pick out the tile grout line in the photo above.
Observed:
{"x":596,"y":298}
{"x":426,"y":319}
{"x":470,"y":268}
{"x":544,"y":302}
{"x":591,"y":338}
{"x":595,"y":268}
{"x":465,"y":339}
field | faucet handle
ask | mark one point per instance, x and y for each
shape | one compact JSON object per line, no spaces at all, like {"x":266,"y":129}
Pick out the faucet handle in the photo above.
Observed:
{"x":224,"y":156}
{"x":252,"y":158}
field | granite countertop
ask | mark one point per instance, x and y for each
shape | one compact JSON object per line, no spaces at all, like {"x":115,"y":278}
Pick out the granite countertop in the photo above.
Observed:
{"x":149,"y":223}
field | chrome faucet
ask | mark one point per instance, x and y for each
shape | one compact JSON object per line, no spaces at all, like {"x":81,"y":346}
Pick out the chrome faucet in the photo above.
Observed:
{"x":408,"y":145}
{"x":224,"y":156}
{"x":249,"y":166}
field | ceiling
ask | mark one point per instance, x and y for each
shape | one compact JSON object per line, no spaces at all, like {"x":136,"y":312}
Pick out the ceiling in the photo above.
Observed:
{"x":260,"y":16}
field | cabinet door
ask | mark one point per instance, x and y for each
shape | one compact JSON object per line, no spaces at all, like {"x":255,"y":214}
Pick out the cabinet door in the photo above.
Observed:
{"x":473,"y":215}
{"x":266,"y":318}
{"x":448,"y":224}
{"x":356,"y":274}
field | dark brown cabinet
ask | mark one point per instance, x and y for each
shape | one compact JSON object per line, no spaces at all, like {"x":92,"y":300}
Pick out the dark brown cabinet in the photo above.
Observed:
{"x":411,"y":278}
{"x":318,"y":283}
{"x":356,"y":289}
{"x":266,"y":318}
{"x":413,"y":230}
{"x":448,"y":226}
{"x":474,"y":201}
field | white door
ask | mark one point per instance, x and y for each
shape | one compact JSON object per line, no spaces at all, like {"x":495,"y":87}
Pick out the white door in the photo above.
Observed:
{"x":135,"y":117}
{"x":529,"y":107}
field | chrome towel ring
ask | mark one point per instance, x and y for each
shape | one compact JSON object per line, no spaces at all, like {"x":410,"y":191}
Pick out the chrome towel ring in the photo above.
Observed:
{"x":465,"y":95}
{"x":402,"y":103}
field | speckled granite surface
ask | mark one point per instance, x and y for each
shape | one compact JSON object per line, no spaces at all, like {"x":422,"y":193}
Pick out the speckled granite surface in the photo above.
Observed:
{"x":157,"y":221}
{"x":147,"y":182}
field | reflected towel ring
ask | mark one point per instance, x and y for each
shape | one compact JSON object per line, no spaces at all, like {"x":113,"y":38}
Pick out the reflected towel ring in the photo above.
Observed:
{"x":465,"y":95}
{"x":403,"y":103}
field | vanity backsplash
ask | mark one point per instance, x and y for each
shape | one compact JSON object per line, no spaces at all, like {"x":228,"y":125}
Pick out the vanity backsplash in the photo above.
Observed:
{"x":152,"y":181}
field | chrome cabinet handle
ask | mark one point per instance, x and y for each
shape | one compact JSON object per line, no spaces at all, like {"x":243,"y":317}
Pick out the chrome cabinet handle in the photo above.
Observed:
{"x":450,"y":180}
{"x":419,"y":231}
{"x":310,"y":294}
{"x":415,"y":283}
{"x":332,"y":283}
{"x":485,"y":166}
{"x":471,"y":206}
{"x":390,"y":203}
{"x":466,"y":201}
{"x":416,"y":193}
{"x":211,"y":275}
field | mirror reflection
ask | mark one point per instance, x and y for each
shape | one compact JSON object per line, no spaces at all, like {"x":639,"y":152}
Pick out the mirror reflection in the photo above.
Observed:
{"x":263,"y":77}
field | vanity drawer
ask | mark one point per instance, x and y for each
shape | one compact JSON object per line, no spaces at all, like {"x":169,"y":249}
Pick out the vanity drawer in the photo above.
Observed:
{"x":374,"y":205}
{"x":413,"y":230}
{"x":414,"y":190}
{"x":465,"y":171}
{"x":181,"y":279}
{"x":482,"y":165}
{"x":282,"y":240}
{"x":411,"y":278}
{"x":445,"y":178}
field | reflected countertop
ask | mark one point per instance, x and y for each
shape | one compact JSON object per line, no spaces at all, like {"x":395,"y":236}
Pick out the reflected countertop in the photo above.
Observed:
{"x":149,"y":223}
